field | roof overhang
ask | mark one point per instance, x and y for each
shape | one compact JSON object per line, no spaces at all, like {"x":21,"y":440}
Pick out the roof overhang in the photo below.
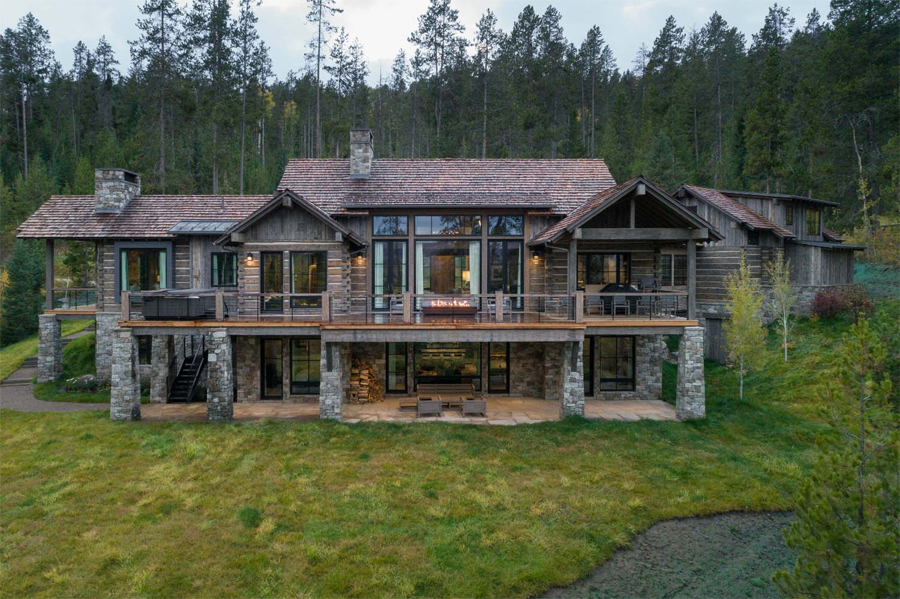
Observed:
{"x":830,"y":245}
{"x":775,"y":229}
{"x":289,"y":198}
{"x":202,"y":227}
{"x":776,"y":196}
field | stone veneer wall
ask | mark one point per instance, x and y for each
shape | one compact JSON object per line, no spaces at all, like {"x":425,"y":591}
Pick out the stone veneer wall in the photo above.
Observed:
{"x":526,"y":369}
{"x":690,"y":395}
{"x":334,"y":380}
{"x":107,"y":323}
{"x":572,"y":393}
{"x":553,"y":371}
{"x":247,"y":371}
{"x":161,"y":350}
{"x":125,"y":390}
{"x":49,"y":348}
{"x":649,"y":352}
{"x":220,"y":382}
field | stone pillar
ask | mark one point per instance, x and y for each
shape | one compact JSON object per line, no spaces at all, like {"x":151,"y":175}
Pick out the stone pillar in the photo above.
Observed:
{"x":650,"y":351}
{"x":248,"y":368}
{"x":690,"y":396}
{"x":160,"y":357}
{"x":335,"y":378}
{"x":125,"y":389}
{"x":220,"y":377}
{"x":107,"y":323}
{"x":572,"y":403}
{"x":49,"y":348}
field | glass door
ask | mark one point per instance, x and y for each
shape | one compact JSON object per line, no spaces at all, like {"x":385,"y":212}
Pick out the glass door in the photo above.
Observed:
{"x":396,"y":368}
{"x":498,"y":368}
{"x":272,"y":281}
{"x":272,"y":371}
{"x":505,"y":268}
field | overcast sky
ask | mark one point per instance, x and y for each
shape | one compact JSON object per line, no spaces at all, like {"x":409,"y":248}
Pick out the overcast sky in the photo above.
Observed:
{"x":383,"y":26}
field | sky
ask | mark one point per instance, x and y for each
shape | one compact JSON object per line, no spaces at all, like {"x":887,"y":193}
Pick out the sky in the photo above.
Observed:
{"x":383,"y":26}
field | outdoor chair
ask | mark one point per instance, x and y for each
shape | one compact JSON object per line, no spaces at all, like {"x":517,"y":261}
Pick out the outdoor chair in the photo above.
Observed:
{"x":429,"y":406}
{"x":648,"y":284}
{"x":667,"y":306}
{"x":474,"y":406}
{"x":619,"y":302}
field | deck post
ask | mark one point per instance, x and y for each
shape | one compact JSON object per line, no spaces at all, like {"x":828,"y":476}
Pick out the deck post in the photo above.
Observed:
{"x":579,"y":306}
{"x":161,"y":349}
{"x":572,"y":267}
{"x":334,"y":380}
{"x":126,"y":305}
{"x":572,"y":393}
{"x":692,"y":279}
{"x":49,"y":348}
{"x":49,"y":276}
{"x":326,"y":307}
{"x":220,"y":305}
{"x":498,"y":299}
{"x":407,"y":307}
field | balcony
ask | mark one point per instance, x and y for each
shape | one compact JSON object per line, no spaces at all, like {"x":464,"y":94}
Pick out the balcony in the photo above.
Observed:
{"x":210,"y":307}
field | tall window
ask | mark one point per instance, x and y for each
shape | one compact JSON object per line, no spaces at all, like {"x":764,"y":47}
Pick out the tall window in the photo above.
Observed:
{"x":813,"y":222}
{"x":587,"y":357}
{"x":272,"y":382}
{"x":603,"y":269}
{"x":789,"y":216}
{"x":309,"y":274}
{"x":616,"y":363}
{"x":143,"y":269}
{"x":389,"y":276}
{"x":224,"y":269}
{"x":447,"y":363}
{"x":498,"y":368}
{"x":389,"y":225}
{"x":306,"y":356}
{"x":674,"y":269}
{"x":448,"y":267}
{"x":396,"y":368}
{"x":505,"y":266}
{"x":272,"y":279}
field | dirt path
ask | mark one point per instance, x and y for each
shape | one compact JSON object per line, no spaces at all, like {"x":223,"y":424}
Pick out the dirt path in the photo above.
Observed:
{"x":731,"y":555}
{"x":16,"y":392}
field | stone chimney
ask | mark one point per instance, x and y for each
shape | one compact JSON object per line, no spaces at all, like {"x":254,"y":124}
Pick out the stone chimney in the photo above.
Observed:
{"x":114,"y":188}
{"x":362,"y":153}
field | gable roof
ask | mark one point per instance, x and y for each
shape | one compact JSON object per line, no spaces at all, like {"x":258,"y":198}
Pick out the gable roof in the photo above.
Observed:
{"x":146,"y":216}
{"x":736,"y":210}
{"x":560,"y":185}
{"x":607,"y":198}
{"x":276,"y":202}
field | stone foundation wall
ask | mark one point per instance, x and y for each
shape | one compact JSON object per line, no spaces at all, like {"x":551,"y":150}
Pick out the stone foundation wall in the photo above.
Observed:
{"x":334,"y":380}
{"x":124,"y":391}
{"x":553,"y":371}
{"x":107,"y":323}
{"x":526,"y":369}
{"x":220,"y":382}
{"x":572,"y":393}
{"x":160,"y":357}
{"x":49,"y":348}
{"x":690,"y":395}
{"x":247,"y":370}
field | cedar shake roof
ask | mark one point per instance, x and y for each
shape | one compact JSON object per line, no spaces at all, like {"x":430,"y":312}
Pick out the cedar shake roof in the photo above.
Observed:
{"x":830,"y":235}
{"x":146,"y":217}
{"x":608,"y":196}
{"x":736,"y":210}
{"x":560,"y":185}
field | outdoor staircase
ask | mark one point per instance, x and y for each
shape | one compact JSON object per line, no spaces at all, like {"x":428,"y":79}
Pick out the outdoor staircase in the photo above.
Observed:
{"x":185,"y":377}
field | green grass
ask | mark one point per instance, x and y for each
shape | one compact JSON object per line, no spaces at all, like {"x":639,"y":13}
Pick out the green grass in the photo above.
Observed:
{"x":94,"y":508}
{"x":12,"y":356}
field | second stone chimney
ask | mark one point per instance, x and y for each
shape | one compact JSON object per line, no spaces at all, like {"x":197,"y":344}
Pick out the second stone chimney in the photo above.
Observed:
{"x":114,"y":188}
{"x":362,"y":153}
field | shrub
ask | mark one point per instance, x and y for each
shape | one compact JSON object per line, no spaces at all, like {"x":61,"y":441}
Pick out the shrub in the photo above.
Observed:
{"x":834,"y":301}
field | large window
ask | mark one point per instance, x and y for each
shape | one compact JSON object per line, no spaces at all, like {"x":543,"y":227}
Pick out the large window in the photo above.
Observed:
{"x":143,"y":269}
{"x":224,"y":269}
{"x":389,"y":225}
{"x":306,"y":356}
{"x":498,"y":368}
{"x":587,"y":357}
{"x":272,"y":382}
{"x":674,"y":269}
{"x":813,"y":222}
{"x":448,"y":225}
{"x":448,"y":363}
{"x":309,"y":274}
{"x":389,"y":276}
{"x":616,"y":363}
{"x":448,"y":267}
{"x":505,"y":266}
{"x":396,"y":368}
{"x":505,"y":225}
{"x":603,"y":269}
{"x":272,"y":278}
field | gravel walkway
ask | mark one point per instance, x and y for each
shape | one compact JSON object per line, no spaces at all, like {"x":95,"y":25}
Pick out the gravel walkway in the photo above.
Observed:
{"x":16,"y":392}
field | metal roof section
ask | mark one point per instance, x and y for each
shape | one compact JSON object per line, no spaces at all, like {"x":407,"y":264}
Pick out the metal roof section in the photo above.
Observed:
{"x":202,"y":227}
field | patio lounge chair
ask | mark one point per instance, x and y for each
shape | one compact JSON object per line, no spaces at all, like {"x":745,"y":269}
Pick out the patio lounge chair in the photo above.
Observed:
{"x":428,"y":406}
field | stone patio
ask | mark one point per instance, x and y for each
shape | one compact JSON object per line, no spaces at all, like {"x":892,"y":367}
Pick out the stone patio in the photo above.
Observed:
{"x":501,"y":411}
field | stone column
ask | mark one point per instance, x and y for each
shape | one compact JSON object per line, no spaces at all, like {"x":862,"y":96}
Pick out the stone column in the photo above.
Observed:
{"x":160,"y":358}
{"x":125,"y":389}
{"x":572,"y":403}
{"x":335,"y":373}
{"x":107,"y":323}
{"x":690,"y":396}
{"x":220,"y":376}
{"x":49,"y":348}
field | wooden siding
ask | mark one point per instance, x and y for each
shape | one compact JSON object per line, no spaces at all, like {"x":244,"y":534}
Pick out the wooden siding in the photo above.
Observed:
{"x":813,"y":265}
{"x":289,"y":224}
{"x":716,"y":263}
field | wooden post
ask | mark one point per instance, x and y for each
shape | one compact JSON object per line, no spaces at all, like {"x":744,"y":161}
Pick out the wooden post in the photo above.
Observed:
{"x":579,"y":306}
{"x":126,"y":305}
{"x":572,"y":268}
{"x":631,"y":219}
{"x":498,"y":298}
{"x":692,"y":279}
{"x":220,"y":305}
{"x":326,"y":307}
{"x":49,"y":276}
{"x":407,"y":307}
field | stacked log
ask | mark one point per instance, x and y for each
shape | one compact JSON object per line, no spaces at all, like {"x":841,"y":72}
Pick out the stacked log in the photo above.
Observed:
{"x":365,"y":386}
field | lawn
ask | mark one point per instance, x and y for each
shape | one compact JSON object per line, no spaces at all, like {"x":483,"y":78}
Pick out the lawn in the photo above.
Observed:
{"x":94,"y":508}
{"x":12,"y":356}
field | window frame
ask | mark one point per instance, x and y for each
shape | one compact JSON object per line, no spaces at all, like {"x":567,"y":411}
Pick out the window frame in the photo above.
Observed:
{"x":588,"y":366}
{"x":307,"y":387}
{"x":167,"y":246}
{"x":817,"y":220}
{"x":387,"y":366}
{"x":273,"y":304}
{"x":476,"y":225}
{"x":788,"y":216}
{"x":298,"y":302}
{"x":671,"y":280}
{"x":582,"y":272}
{"x":388,"y":267}
{"x":629,"y":383}
{"x":505,"y":370}
{"x":403,"y":217}
{"x":500,"y":217}
{"x":212,"y":269}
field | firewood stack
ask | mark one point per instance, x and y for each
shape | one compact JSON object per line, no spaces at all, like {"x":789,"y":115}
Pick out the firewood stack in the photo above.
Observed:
{"x":365,"y":386}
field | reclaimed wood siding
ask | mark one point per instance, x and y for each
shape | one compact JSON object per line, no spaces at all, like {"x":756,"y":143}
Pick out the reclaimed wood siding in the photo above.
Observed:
{"x":812,"y":265}
{"x":714,"y":264}
{"x":289,"y":224}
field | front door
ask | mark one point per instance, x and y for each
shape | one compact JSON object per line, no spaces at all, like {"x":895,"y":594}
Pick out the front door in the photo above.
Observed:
{"x":272,"y":372}
{"x":272,"y":281}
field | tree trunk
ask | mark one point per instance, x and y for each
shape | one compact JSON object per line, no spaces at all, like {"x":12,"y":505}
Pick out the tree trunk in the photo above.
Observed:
{"x":484,"y":122}
{"x":243,"y":132}
{"x":319,"y":87}
{"x":593,"y":106}
{"x":25,"y":133}
{"x":215,"y":164}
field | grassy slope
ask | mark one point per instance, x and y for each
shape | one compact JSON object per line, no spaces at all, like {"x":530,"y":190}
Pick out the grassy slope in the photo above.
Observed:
{"x":78,"y":359}
{"x":323,"y":509}
{"x":12,"y":356}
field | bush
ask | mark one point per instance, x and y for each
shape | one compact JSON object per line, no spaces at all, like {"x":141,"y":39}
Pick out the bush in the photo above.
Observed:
{"x":834,"y":301}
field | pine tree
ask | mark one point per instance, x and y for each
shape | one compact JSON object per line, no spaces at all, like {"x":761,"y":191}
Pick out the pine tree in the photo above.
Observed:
{"x":22,"y":301}
{"x":488,"y":38}
{"x":745,"y":335}
{"x":320,"y":13}
{"x":106,"y":62}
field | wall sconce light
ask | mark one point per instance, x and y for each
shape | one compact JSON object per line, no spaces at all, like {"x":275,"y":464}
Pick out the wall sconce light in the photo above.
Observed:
{"x":535,"y":256}
{"x":249,"y":259}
